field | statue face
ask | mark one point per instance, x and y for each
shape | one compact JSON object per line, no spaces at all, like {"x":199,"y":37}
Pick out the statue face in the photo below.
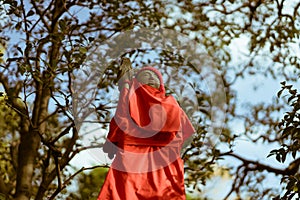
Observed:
{"x":148,"y":77}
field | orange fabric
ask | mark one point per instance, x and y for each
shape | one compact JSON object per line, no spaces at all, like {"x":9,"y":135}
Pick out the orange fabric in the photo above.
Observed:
{"x":147,"y":164}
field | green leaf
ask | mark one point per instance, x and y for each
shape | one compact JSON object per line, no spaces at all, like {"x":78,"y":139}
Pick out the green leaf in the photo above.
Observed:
{"x":91,"y":39}
{"x":294,"y":153}
{"x":18,"y":26}
{"x":20,"y":50}
{"x":30,"y":13}
{"x":283,"y":83}
{"x":291,"y":98}
{"x":287,"y":131}
{"x":278,"y":158}
{"x":62,"y":25}
{"x":273,"y":152}
{"x":283,"y":157}
{"x":83,"y":50}
{"x":291,"y":183}
{"x":279,"y":93}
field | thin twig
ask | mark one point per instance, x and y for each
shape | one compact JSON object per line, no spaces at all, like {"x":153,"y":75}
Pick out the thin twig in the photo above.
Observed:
{"x":66,"y":182}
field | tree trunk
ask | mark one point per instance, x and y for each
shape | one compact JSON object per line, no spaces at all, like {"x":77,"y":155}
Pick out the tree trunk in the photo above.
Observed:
{"x":27,"y":153}
{"x":29,"y":144}
{"x":30,"y":139}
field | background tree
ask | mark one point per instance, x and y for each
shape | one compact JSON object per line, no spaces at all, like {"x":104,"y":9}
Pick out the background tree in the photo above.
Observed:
{"x":47,"y":47}
{"x":89,"y":184}
{"x":8,"y":130}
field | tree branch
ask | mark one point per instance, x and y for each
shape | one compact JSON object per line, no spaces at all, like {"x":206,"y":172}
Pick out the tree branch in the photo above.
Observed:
{"x":249,"y":165}
{"x":65,"y":184}
{"x":4,"y":82}
{"x":256,"y":165}
{"x":41,"y":14}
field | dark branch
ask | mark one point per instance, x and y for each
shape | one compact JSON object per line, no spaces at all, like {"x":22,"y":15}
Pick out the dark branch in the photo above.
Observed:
{"x":65,"y":184}
{"x":256,"y":166}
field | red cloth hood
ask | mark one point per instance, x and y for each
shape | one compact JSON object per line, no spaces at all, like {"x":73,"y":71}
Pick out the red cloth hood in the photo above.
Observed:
{"x":152,"y":110}
{"x":144,"y":115}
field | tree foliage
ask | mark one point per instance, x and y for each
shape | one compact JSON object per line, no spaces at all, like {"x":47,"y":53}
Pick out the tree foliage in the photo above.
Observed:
{"x":89,"y":184}
{"x":48,"y":65}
